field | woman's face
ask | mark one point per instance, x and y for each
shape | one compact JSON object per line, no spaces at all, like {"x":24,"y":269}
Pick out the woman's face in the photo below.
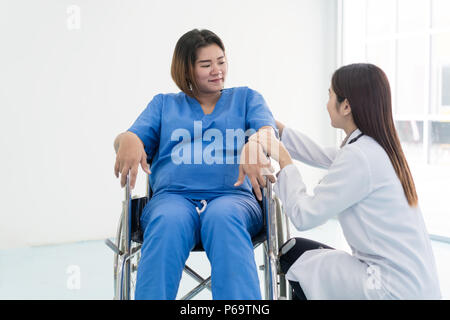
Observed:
{"x":333,"y":109}
{"x":210,"y":69}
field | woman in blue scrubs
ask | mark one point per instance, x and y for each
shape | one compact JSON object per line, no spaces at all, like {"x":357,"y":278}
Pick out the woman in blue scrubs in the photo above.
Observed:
{"x":195,"y":138}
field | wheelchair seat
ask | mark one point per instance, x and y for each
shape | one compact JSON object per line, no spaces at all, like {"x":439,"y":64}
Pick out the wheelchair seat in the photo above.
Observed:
{"x":137,"y":234}
{"x":129,"y":239}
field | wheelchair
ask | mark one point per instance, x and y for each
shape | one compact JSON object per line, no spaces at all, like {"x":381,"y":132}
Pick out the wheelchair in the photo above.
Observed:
{"x":129,"y":238}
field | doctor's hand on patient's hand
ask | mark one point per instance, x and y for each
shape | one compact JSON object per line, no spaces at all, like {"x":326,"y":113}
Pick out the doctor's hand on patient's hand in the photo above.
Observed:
{"x":130,"y":154}
{"x":273,"y":147}
{"x":256,"y":165}
{"x":269,"y":143}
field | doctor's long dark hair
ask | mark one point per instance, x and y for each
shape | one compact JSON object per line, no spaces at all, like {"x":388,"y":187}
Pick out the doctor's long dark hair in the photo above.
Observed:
{"x":367,"y":90}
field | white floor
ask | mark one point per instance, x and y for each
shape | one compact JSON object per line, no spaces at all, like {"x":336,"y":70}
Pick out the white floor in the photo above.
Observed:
{"x":84,"y":270}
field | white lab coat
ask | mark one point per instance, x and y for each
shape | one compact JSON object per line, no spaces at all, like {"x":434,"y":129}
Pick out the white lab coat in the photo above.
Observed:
{"x":391,"y":255}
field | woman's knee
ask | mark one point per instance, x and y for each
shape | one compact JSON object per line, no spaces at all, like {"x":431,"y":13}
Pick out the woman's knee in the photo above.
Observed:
{"x":169,"y":217}
{"x":292,"y":249}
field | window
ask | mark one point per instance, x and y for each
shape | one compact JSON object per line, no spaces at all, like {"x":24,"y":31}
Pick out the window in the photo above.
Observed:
{"x":444,"y":87}
{"x":410,"y":41}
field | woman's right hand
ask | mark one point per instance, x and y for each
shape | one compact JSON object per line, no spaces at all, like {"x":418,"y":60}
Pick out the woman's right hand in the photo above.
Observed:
{"x":130,"y":154}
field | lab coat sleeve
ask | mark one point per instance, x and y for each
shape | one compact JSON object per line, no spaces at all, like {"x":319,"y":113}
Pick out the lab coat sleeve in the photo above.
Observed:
{"x":303,"y":149}
{"x":147,"y":125}
{"x":258,"y":113}
{"x":347,"y":182}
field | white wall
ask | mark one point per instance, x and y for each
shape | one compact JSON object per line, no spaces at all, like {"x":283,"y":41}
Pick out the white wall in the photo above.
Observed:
{"x":65,"y":94}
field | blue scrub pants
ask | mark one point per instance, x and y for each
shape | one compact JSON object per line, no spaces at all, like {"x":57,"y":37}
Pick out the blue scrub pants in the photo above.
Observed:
{"x":173,"y":227}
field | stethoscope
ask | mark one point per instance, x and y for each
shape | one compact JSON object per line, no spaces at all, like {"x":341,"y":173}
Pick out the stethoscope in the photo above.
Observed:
{"x":355,"y":139}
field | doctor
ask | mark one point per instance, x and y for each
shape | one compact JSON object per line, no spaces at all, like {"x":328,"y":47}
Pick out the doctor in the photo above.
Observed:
{"x":368,"y":187}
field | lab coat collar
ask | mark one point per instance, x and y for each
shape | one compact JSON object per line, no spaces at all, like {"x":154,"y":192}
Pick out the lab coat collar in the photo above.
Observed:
{"x":352,"y":135}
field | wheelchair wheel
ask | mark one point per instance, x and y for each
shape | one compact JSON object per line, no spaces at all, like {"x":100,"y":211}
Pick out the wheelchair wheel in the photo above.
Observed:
{"x":117,"y":260}
{"x":282,"y":236}
{"x":125,"y":264}
{"x":134,"y":261}
{"x":276,"y":284}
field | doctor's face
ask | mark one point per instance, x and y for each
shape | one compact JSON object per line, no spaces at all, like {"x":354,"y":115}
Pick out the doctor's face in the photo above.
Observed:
{"x":210,"y":69}
{"x":333,"y":107}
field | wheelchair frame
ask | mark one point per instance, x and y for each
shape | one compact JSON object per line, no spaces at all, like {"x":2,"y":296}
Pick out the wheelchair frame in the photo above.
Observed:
{"x":127,"y":251}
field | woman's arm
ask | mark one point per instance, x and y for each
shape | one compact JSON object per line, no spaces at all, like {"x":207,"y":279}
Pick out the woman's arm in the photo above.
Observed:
{"x":271,"y":146}
{"x":130,"y":153}
{"x":138,"y":142}
{"x":255,"y":164}
{"x":259,"y":118}
{"x":120,"y":137}
{"x":346,"y":183}
{"x":303,"y":149}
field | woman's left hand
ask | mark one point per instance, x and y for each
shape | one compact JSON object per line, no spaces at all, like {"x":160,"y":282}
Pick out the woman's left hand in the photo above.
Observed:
{"x":256,"y":165}
{"x":269,"y":142}
{"x":273,"y":147}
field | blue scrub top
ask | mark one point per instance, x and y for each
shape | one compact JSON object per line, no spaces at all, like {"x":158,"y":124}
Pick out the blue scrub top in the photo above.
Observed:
{"x":197,"y":154}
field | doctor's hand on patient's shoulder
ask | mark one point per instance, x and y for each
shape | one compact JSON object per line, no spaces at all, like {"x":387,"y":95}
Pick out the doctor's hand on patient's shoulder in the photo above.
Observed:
{"x":256,"y":165}
{"x":130,"y":153}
